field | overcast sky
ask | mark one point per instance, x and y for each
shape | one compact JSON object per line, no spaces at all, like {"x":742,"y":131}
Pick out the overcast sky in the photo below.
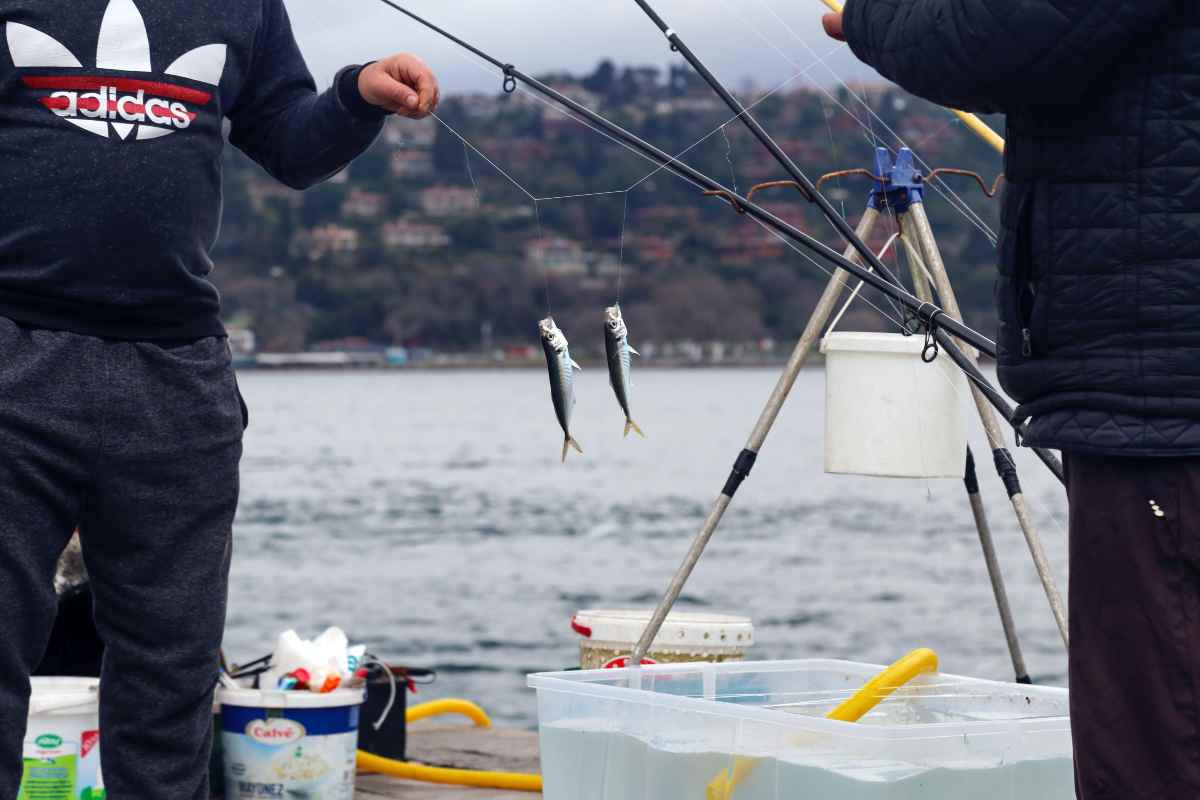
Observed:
{"x":574,"y":35}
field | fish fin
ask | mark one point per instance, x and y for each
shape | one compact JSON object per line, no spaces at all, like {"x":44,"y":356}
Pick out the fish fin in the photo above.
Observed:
{"x":575,"y":364}
{"x":630,"y":425}
{"x":568,"y":443}
{"x":635,"y":352}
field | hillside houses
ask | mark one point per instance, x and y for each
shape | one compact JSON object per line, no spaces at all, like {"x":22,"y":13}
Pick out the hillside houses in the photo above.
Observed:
{"x":557,"y":256}
{"x":332,"y":239}
{"x":413,"y":164}
{"x":364,"y":205}
{"x":449,"y":201}
{"x":410,"y":234}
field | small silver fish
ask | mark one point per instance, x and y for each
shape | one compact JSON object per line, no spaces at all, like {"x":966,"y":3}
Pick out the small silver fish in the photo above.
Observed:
{"x":562,"y":379}
{"x":616,"y":343}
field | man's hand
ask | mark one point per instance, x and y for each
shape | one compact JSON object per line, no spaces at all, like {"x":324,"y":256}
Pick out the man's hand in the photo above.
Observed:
{"x":402,"y":84}
{"x":833,"y":26}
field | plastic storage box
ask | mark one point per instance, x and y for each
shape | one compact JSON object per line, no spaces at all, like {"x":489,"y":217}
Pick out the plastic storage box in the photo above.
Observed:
{"x":665,"y":732}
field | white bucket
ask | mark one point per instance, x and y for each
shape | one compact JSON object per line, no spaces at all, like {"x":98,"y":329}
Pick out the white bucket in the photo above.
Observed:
{"x":888,"y":413}
{"x":609,"y":636}
{"x":289,"y":744}
{"x":62,"y":741}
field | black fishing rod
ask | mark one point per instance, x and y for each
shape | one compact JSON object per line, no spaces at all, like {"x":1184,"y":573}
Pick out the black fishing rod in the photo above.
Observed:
{"x":930,"y":315}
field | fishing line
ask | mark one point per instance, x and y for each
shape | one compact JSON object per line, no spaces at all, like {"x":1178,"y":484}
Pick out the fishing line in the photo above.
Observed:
{"x":938,"y":185}
{"x":833,"y":147}
{"x":621,"y":253}
{"x":678,"y":156}
{"x":854,"y":295}
{"x":828,"y":272}
{"x":481,"y":154}
{"x":471,"y":175}
{"x":729,"y":159}
{"x":580,"y":196}
{"x":495,"y":72}
{"x":537,"y":213}
{"x":961,"y":204}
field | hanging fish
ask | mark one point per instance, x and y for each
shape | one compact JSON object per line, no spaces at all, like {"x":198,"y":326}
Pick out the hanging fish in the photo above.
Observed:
{"x":616,"y":343}
{"x":562,"y":379}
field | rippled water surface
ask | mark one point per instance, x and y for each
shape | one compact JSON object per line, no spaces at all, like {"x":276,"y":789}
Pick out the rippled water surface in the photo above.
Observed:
{"x":428,"y":514}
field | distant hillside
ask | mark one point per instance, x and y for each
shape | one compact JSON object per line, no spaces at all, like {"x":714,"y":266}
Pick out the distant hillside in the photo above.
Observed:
{"x":423,"y":243}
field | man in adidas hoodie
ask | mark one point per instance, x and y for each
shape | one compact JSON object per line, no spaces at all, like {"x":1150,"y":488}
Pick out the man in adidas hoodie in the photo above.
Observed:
{"x":118,"y":407}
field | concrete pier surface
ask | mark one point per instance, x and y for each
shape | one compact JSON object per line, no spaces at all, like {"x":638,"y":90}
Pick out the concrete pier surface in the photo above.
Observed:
{"x":458,"y":747}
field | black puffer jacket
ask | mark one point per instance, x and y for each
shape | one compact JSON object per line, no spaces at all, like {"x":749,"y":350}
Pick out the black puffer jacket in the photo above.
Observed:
{"x":1099,"y":287}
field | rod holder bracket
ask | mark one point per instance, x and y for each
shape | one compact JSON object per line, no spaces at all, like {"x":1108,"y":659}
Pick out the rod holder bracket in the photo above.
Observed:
{"x":899,"y":183}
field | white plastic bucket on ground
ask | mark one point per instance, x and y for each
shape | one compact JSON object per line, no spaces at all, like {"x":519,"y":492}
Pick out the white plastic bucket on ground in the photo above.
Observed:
{"x":609,"y":636}
{"x":888,"y":413}
{"x":62,"y":742}
{"x":289,"y":744}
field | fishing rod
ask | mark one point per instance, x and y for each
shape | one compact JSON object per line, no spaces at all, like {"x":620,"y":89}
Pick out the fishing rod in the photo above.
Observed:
{"x":932,"y":317}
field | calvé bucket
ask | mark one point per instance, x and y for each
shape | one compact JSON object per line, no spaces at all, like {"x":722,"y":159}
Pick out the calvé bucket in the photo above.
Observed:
{"x":289,"y":744}
{"x":62,"y":741}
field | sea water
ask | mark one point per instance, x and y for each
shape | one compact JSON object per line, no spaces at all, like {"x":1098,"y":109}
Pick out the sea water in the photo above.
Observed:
{"x":590,"y":760}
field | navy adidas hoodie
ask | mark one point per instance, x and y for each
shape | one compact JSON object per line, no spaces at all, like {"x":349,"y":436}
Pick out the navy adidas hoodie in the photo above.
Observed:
{"x":111,"y":118}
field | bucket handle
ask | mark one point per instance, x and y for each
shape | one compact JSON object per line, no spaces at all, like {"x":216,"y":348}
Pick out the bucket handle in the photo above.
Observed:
{"x":854,"y":295}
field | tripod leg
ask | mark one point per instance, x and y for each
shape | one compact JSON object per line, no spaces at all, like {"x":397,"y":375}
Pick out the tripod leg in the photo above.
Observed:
{"x":917,"y":222}
{"x":808,"y":339}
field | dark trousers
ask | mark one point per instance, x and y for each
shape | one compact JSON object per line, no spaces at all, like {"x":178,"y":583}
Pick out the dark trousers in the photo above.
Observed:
{"x":139,"y":445}
{"x":1135,"y":627}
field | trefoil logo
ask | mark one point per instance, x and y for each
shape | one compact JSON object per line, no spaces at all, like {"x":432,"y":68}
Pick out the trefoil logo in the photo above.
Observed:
{"x":145,"y":107}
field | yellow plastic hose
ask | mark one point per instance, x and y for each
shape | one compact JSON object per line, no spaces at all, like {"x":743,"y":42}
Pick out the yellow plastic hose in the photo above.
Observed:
{"x":406,"y":770}
{"x":516,"y":782}
{"x":438,"y":708}
{"x":870,"y":695}
{"x":978,"y":126}
{"x":882,"y":685}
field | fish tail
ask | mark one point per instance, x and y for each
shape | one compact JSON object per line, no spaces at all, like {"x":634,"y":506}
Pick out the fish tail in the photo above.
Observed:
{"x":630,"y":425}
{"x":568,"y":443}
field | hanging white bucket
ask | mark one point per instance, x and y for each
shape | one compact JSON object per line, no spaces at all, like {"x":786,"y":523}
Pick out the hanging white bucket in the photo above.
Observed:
{"x":888,"y":413}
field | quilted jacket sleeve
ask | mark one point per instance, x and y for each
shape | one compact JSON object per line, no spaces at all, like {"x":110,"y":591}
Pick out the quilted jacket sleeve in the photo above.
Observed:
{"x":996,"y":55}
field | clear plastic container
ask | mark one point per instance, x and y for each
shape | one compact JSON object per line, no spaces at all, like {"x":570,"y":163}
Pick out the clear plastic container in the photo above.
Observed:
{"x":665,"y":732}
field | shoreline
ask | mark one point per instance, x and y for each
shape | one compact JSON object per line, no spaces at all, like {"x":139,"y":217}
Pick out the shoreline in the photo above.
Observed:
{"x":483,"y":365}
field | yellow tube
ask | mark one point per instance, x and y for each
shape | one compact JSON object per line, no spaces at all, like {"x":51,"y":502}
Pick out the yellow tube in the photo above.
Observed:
{"x":977,"y":126}
{"x":882,"y":685}
{"x":870,"y":695}
{"x":405,"y":770}
{"x":439,"y":708}
{"x":513,"y":781}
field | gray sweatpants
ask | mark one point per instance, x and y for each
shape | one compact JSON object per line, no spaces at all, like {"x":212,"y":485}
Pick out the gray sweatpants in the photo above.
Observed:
{"x":139,"y":445}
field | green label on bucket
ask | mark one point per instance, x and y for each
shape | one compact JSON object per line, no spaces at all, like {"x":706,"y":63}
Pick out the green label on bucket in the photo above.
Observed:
{"x":49,"y":777}
{"x":48,"y":741}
